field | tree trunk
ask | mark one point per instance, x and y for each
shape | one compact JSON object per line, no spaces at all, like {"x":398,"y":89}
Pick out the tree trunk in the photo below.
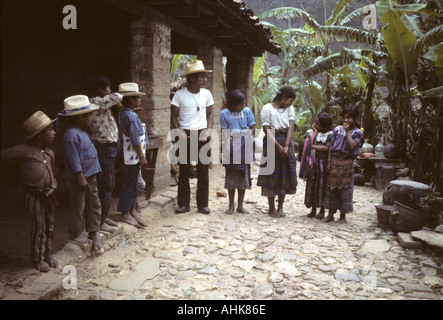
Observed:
{"x":367,"y":118}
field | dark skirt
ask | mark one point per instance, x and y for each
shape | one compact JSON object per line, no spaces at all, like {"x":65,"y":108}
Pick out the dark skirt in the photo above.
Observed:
{"x":238,"y":179}
{"x":283,"y":179}
{"x":316,"y":184}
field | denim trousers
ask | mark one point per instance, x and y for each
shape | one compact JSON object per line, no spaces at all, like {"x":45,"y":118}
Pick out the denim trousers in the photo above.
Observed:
{"x":128,"y":191}
{"x":107,"y":153}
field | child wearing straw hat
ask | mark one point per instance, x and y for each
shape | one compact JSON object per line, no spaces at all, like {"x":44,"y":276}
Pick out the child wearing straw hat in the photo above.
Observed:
{"x":81,"y":168}
{"x":132,"y":147}
{"x":36,"y":162}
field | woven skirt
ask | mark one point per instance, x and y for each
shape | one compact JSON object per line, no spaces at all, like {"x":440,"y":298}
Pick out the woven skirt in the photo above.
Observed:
{"x":283,"y":180}
{"x":340,"y":191}
{"x":316,"y":185}
{"x":238,"y":179}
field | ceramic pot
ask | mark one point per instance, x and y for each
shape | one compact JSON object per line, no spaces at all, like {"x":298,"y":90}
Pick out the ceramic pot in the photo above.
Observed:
{"x":391,"y":151}
{"x":367,"y":147}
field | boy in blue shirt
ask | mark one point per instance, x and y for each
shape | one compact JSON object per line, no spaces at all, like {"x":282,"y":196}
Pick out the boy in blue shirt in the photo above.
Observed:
{"x":132,"y":148}
{"x":81,"y":167}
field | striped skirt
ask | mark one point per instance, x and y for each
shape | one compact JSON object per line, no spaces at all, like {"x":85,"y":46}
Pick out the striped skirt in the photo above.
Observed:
{"x":316,"y":185}
{"x":283,"y":179}
{"x":41,"y":212}
{"x":341,"y":172}
{"x":340,"y":191}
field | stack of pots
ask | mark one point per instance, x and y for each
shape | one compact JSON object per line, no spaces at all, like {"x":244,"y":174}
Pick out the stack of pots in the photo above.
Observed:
{"x":400,"y":210}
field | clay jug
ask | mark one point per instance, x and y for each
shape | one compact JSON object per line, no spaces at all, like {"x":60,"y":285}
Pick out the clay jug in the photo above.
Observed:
{"x":391,"y":151}
{"x":367,"y":147}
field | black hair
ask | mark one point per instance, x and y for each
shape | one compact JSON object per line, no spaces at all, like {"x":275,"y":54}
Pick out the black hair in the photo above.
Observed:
{"x":325,"y":121}
{"x":95,"y":82}
{"x":284,"y":91}
{"x":193,"y":76}
{"x":126,"y":101}
{"x":234,"y":98}
{"x":351,"y":111}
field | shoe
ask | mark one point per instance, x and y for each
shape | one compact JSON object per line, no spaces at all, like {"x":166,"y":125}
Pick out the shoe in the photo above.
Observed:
{"x":182,"y":209}
{"x":204,"y":210}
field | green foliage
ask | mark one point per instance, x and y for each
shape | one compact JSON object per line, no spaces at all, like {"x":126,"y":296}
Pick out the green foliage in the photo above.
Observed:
{"x":399,"y":40}
{"x":335,"y":61}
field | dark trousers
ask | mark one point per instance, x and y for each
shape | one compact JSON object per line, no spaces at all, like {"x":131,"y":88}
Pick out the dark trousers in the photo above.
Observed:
{"x":184,"y":190}
{"x":107,"y":153}
{"x":128,"y":191}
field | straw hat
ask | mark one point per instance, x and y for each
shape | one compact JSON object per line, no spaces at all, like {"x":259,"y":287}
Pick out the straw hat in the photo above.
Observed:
{"x":195,"y":66}
{"x":129,"y":89}
{"x":76,"y":105}
{"x":35,"y":124}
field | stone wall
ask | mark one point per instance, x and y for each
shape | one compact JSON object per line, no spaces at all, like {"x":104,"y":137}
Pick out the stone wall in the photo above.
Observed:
{"x":151,"y":69}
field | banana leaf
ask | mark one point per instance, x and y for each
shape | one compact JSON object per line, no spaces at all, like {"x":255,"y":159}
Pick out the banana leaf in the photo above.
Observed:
{"x":431,"y":37}
{"x":399,"y":40}
{"x":433,"y":93}
{"x":439,"y":62}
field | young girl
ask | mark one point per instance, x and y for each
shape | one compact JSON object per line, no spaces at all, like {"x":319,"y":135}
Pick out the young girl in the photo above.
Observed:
{"x":238,"y":125}
{"x":278,"y":116}
{"x":346,"y":141}
{"x":314,"y":162}
{"x":132,"y":137}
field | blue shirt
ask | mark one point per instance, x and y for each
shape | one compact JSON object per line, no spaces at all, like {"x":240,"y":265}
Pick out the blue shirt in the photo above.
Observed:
{"x":80,"y":154}
{"x":130,"y":124}
{"x":237,"y":120}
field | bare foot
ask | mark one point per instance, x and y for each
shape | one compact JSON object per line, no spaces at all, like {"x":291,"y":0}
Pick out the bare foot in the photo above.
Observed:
{"x":274,"y":214}
{"x":110,"y":222}
{"x":106,"y":227}
{"x":51,"y":261}
{"x":96,"y":243}
{"x":137,"y":216}
{"x":81,"y":238}
{"x":242,"y":210}
{"x":230,"y":210}
{"x":281,"y":213}
{"x":329,"y":218}
{"x":42,"y":266}
{"x":127,"y":218}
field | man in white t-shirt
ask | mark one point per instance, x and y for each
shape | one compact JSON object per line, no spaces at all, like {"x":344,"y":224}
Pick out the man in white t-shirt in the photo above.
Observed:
{"x":191,"y":111}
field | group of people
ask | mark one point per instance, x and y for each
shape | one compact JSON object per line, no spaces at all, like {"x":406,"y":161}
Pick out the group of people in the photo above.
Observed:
{"x":96,"y":136}
{"x":93,"y":140}
{"x":326,"y":161}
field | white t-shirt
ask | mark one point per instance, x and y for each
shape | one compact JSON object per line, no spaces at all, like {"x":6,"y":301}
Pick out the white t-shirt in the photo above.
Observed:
{"x":192,"y":114}
{"x":276,"y":118}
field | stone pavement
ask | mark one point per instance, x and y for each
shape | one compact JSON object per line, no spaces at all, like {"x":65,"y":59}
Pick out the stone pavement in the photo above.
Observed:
{"x":253,"y":256}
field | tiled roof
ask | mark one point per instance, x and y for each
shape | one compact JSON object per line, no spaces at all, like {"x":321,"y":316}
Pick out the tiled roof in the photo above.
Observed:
{"x":228,"y":22}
